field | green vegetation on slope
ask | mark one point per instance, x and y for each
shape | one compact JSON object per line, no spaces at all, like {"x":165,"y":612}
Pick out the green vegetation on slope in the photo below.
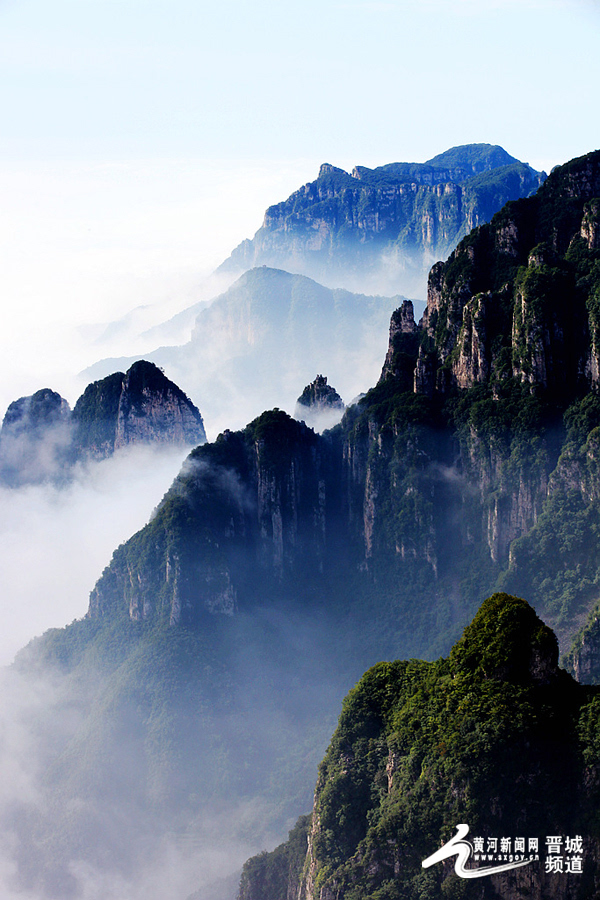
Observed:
{"x":495,"y":735}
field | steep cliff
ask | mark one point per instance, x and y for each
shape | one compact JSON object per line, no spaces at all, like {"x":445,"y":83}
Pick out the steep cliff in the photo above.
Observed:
{"x":41,"y":438}
{"x":382,"y":228}
{"x":495,"y":736}
{"x":518,"y":297}
{"x":583,"y":660}
{"x":248,"y":516}
{"x":141,"y":406}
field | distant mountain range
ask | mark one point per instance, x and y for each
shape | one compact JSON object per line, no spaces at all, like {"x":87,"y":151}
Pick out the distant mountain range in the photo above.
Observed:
{"x":380,"y":230}
{"x":375,"y":232}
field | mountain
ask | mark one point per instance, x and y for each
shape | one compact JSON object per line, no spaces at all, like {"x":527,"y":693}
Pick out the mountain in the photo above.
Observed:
{"x":445,"y":478}
{"x":381,"y":229}
{"x":319,"y":405}
{"x":41,"y":438}
{"x":35,"y":439}
{"x":139,"y":406}
{"x":495,"y":736}
{"x":283,"y":563}
{"x":257,"y":343}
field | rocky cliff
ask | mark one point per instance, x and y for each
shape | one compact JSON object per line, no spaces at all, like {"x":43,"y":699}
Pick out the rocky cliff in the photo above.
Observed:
{"x":382,"y":228}
{"x":41,"y":438}
{"x":495,"y":736}
{"x":264,"y":500}
{"x":139,"y":406}
{"x":518,"y":296}
{"x":319,"y":405}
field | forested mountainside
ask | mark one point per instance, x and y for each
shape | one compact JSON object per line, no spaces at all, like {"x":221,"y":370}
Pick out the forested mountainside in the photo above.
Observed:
{"x":495,"y":736}
{"x":41,"y":438}
{"x":381,"y":229}
{"x":282,"y":563}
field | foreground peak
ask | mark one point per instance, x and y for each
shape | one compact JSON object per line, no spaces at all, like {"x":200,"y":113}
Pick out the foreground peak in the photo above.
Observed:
{"x":506,"y":641}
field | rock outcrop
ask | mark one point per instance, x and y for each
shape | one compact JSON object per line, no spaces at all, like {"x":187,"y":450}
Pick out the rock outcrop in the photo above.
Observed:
{"x":41,"y":438}
{"x":403,"y":346}
{"x":139,"y":406}
{"x":319,"y":405}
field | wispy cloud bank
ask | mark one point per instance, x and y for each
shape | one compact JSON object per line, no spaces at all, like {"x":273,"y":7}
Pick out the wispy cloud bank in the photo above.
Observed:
{"x":54,"y":543}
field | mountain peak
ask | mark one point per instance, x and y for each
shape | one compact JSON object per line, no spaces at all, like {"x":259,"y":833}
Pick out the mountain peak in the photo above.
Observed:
{"x":321,"y":395}
{"x":476,"y":157}
{"x":141,"y":405}
{"x":328,"y":169}
{"x":506,"y":641}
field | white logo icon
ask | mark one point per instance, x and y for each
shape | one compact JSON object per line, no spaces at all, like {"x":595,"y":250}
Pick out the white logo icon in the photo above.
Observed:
{"x":462,"y":849}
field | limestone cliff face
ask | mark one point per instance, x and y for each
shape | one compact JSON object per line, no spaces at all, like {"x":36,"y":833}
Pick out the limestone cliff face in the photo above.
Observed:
{"x":583,"y":660}
{"x":248,"y":515}
{"x":141,"y":406}
{"x":391,"y":222}
{"x":513,"y":300}
{"x":152,"y":408}
{"x":516,"y":303}
{"x":403,"y":343}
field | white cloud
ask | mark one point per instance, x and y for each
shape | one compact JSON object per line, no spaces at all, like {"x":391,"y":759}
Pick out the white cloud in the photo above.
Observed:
{"x":54,"y":543}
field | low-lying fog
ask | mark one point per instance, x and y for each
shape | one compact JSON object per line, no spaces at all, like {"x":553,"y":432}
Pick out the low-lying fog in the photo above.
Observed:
{"x":55,"y":542}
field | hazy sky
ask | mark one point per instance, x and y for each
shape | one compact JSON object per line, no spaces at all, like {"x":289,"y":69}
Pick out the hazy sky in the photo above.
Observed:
{"x":368,"y":80}
{"x":142,"y":139}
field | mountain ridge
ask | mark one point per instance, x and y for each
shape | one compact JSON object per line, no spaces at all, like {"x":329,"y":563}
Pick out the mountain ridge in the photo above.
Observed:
{"x":449,"y":375}
{"x":270,"y":319}
{"x":385,"y":226}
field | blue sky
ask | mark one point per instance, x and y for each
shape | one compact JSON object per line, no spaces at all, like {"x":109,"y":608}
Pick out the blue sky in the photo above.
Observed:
{"x":141,"y":140}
